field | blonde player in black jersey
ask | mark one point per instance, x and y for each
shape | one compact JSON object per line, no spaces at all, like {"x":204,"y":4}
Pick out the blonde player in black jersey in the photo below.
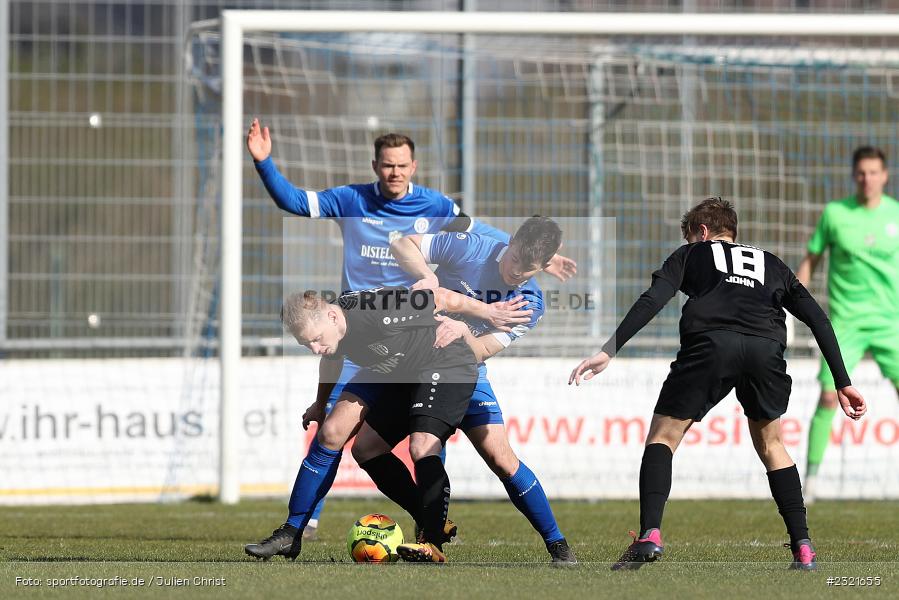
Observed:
{"x":733,"y":335}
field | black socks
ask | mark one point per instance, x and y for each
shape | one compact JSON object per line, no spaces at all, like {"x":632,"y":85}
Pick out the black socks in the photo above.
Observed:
{"x":655,"y":485}
{"x":787,"y":491}
{"x":434,"y":494}
{"x":395,"y":481}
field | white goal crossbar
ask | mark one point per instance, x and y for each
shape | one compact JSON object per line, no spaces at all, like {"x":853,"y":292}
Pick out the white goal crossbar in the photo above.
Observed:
{"x":235,"y":23}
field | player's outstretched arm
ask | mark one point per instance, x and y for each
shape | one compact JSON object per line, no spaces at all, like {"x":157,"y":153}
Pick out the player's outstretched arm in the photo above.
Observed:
{"x":799,"y":302}
{"x":501,"y":315}
{"x":259,"y":141}
{"x":449,"y":330}
{"x":589,"y":367}
{"x":407,"y":252}
{"x":852,"y":402}
{"x":286,"y":195}
{"x":643,"y":310}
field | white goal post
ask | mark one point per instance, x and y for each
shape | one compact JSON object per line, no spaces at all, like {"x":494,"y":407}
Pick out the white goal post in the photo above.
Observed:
{"x":235,"y":23}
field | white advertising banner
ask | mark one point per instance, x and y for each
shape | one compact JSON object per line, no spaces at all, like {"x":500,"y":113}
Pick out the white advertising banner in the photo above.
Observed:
{"x":78,"y":431}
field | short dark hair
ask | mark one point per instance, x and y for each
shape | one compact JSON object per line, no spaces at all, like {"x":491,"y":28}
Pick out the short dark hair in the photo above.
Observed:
{"x":863,"y":152}
{"x":537,"y":239}
{"x":393,"y":140}
{"x":716,"y":214}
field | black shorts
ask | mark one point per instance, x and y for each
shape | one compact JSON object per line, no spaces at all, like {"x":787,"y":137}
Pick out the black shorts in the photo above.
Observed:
{"x":435,"y":405}
{"x":710,"y":364}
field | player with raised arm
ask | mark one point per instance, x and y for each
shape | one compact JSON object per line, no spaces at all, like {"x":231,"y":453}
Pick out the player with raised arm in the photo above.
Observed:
{"x":733,"y":335}
{"x":862,"y":233}
{"x":390,"y":334}
{"x":491,"y":271}
{"x":368,"y":215}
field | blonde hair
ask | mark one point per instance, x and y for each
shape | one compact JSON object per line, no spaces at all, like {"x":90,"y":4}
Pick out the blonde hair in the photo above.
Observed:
{"x":300,"y":309}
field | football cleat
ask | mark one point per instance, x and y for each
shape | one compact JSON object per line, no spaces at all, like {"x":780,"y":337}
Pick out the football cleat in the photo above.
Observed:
{"x":561,"y":553}
{"x":450,"y":530}
{"x":286,"y":541}
{"x":803,"y":556}
{"x":643,"y":550}
{"x":426,"y":553}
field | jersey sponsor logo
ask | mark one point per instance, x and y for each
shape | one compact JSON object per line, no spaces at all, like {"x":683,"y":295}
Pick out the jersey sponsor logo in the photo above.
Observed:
{"x":371,"y":221}
{"x":379,"y":349}
{"x":350,"y":300}
{"x":393,"y":236}
{"x":421,"y":225}
{"x":387,"y":366}
{"x":486,"y":403}
{"x":461,"y":236}
{"x":386,"y":320}
{"x":368,"y":251}
{"x":468,"y":289}
{"x":418,"y":405}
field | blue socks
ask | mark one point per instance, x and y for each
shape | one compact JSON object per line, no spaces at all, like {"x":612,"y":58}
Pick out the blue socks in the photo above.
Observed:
{"x":313,"y":481}
{"x":316,"y":513}
{"x":528,"y":496}
{"x":318,"y":510}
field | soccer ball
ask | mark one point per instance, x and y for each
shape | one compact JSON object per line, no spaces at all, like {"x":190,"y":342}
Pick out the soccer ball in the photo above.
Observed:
{"x":374,"y":538}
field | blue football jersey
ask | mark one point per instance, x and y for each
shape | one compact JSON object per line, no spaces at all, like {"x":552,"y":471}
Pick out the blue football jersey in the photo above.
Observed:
{"x":469,"y":264}
{"x":368,"y":221}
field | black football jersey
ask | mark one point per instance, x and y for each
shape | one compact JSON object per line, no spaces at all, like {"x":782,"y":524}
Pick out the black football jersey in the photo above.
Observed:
{"x":731,"y":287}
{"x":391,"y":331}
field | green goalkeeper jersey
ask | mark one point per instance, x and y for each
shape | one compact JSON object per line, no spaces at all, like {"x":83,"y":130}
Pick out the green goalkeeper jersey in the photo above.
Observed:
{"x":863,"y":277}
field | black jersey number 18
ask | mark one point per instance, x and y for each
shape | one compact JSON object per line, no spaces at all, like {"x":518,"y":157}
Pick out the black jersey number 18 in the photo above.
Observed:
{"x":746,"y":261}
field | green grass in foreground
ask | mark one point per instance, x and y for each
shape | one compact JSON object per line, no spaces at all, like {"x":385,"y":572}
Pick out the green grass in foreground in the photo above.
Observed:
{"x":714,"y":549}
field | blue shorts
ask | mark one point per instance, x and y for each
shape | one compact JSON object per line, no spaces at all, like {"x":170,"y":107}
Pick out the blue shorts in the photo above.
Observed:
{"x":483,"y":409}
{"x":349,"y":370}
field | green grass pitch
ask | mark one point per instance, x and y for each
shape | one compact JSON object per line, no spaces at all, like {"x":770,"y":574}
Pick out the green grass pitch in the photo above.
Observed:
{"x":714,"y":549}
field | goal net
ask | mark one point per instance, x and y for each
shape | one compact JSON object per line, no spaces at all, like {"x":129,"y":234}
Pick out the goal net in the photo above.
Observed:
{"x":573,"y":127}
{"x":630,"y":128}
{"x":613,"y":136}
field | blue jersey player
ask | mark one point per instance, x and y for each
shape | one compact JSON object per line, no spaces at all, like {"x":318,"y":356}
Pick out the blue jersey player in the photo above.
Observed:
{"x":368,"y":214}
{"x":491,"y":271}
